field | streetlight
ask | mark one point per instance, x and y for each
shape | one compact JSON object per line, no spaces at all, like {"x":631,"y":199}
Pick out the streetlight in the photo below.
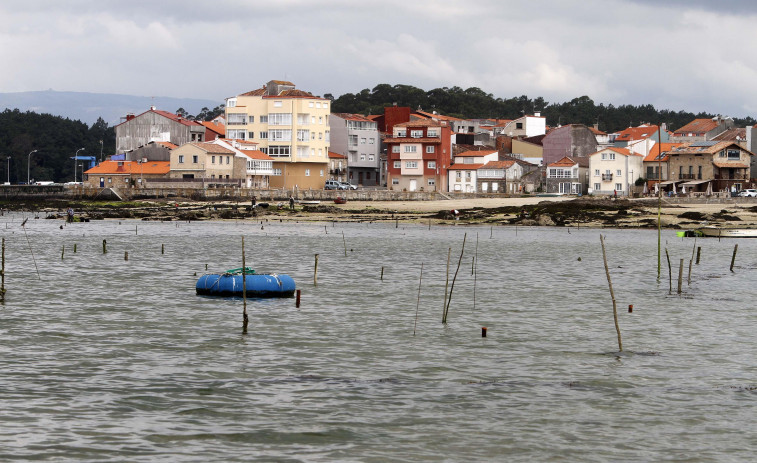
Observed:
{"x":28,"y":159}
{"x":81,"y":166}
{"x":9,"y":170}
{"x":75,"y":155}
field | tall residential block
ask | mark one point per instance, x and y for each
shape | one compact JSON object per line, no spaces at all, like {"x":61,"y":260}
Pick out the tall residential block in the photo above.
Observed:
{"x":289,"y":125}
{"x":358,"y":138}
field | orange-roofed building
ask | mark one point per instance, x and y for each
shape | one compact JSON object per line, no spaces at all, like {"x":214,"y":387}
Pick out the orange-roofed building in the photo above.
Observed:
{"x":125,"y":174}
{"x":499,"y":177}
{"x":657,"y":161}
{"x":463,"y":173}
{"x":614,"y":171}
{"x":338,"y":166}
{"x":214,"y":129}
{"x":725,"y":164}
{"x":568,"y":176}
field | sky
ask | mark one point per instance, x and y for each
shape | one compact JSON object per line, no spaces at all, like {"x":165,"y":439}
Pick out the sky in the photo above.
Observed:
{"x":690,"y":55}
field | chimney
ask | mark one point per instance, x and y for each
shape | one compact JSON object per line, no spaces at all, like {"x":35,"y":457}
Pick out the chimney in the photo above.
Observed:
{"x":537,"y":114}
{"x":152,"y":108}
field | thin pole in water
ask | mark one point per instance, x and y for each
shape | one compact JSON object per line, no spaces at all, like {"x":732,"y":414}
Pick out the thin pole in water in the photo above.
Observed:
{"x":446,"y":286}
{"x":733,"y":259}
{"x":680,"y":276}
{"x":2,"y":275}
{"x":315,"y":272}
{"x":345,"y":244}
{"x":31,"y":251}
{"x":612,"y":294}
{"x":670,"y":272}
{"x":418,"y":303}
{"x":451,"y":288}
{"x":245,"y":319}
{"x":475,"y":273}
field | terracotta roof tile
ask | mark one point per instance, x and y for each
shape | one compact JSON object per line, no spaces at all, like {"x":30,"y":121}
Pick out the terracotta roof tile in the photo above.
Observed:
{"x":637,"y":133}
{"x":697,"y":126}
{"x":655,"y":151}
{"x":352,"y":117}
{"x":476,"y":153}
{"x":498,"y":165}
{"x":257,"y":154}
{"x":130,"y":167}
{"x":333,"y":155}
{"x":212,"y":148}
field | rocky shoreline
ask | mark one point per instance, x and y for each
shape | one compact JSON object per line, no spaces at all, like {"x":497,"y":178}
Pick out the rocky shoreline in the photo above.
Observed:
{"x":576,"y":212}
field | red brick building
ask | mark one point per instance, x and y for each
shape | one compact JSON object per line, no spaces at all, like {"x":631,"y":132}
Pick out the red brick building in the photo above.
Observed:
{"x":418,"y":156}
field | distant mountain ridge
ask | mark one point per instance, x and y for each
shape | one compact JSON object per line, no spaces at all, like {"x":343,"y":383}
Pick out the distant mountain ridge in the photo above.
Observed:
{"x":87,"y":107}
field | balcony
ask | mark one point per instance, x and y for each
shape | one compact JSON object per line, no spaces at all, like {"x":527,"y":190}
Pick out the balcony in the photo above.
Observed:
{"x":606,"y":177}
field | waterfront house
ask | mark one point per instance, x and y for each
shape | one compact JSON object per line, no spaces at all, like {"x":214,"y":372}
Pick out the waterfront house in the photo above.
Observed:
{"x":418,"y":156}
{"x":614,"y":171}
{"x":357,"y":137}
{"x":568,"y":176}
{"x":125,"y":174}
{"x":702,"y":129}
{"x":337,"y":167}
{"x":156,"y":125}
{"x":463,"y":171}
{"x":726,"y":164}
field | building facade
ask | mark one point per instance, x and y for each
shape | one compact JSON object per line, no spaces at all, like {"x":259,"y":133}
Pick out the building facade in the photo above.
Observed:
{"x":358,"y":138}
{"x":418,"y":156}
{"x":291,"y":126}
{"x":156,"y":126}
{"x":614,"y":171}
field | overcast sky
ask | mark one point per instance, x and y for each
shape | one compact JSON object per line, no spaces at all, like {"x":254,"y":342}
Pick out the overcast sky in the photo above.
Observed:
{"x":681,"y":54}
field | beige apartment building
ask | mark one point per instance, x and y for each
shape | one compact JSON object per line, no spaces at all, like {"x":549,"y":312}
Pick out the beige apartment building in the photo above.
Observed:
{"x":289,"y":125}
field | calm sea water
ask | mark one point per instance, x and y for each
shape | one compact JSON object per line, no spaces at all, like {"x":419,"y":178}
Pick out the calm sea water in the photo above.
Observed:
{"x":104,"y":359}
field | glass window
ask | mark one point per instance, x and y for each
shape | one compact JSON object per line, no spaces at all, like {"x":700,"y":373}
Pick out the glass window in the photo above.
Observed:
{"x":181,"y":159}
{"x":397,"y":164}
{"x":432,"y":164}
{"x":212,"y":159}
{"x":429,"y":149}
{"x":307,"y":172}
{"x":395,"y":181}
{"x":396,"y":149}
{"x":411,"y":164}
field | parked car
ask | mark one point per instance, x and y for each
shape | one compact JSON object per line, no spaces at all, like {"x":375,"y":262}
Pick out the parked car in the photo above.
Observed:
{"x":334,"y":185}
{"x":348,"y":186}
{"x":748,"y":192}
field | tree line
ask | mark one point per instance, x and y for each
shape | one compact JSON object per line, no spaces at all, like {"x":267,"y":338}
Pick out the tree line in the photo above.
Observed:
{"x":55,"y":139}
{"x":474,"y":103}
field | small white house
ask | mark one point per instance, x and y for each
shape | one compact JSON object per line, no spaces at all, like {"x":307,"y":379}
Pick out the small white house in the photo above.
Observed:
{"x":614,"y":171}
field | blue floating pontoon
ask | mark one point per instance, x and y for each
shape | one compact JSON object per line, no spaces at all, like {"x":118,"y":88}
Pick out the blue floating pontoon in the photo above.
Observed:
{"x":229,"y":283}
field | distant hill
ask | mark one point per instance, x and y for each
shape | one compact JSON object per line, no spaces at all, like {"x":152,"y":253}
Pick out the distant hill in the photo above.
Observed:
{"x":87,"y":107}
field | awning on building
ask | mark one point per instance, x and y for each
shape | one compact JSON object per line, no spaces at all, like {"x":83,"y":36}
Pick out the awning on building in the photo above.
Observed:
{"x":696,"y":182}
{"x":730,"y":165}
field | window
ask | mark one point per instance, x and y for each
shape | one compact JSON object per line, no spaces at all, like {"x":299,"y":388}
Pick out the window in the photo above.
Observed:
{"x":734,"y":154}
{"x":371,"y":157}
{"x":362,"y":141}
{"x":278,"y":150}
{"x":181,"y":159}
{"x":321,"y":172}
{"x":302,"y":151}
{"x":228,"y":159}
{"x":352,"y":140}
{"x":431,"y":164}
{"x":608,"y":156}
{"x":276,"y":172}
{"x":231,"y":133}
{"x":320,"y":135}
{"x":263,"y":119}
{"x":371,"y":141}
{"x":618,"y":173}
{"x":518,"y":125}
{"x":619,"y":186}
{"x":597,"y":187}
{"x":328,"y":137}
{"x":320,"y":119}
{"x":325,"y":105}
{"x":432,"y":133}
{"x":411,"y":164}
{"x":212,"y":159}
{"x":280,"y":119}
{"x":237,"y":119}
{"x":250,"y":135}
{"x":280,"y":135}
{"x":596,"y":172}
{"x":264,"y":150}
{"x":411,"y":148}
{"x":310,"y":104}
{"x":458,"y":175}
{"x":395,"y":181}
{"x":307,"y":172}
{"x":431,"y":181}
{"x":110,"y":180}
{"x":277,"y":104}
{"x":467,"y":175}
{"x":396,"y":149}
{"x":416,"y":133}
{"x":252,"y":119}
{"x":397,"y":164}
{"x":401,"y":133}
{"x":263,"y":135}
{"x":362,"y":156}
{"x":317,"y":104}
{"x":429,"y":149}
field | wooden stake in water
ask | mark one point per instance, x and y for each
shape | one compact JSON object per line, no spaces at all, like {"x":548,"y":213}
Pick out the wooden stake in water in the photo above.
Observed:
{"x":345,"y":244}
{"x":670,"y":272}
{"x":475,"y":272}
{"x":417,"y":304}
{"x":446,"y":286}
{"x":74,"y":248}
{"x":62,"y":251}
{"x":680,"y":276}
{"x":612,"y":294}
{"x":126,"y":255}
{"x":699,"y":253}
{"x":163,"y":248}
{"x":2,"y":275}
{"x":733,"y":259}
{"x":691,"y":261}
{"x":31,"y":251}
{"x":245,"y":320}
{"x":382,"y":273}
{"x":451,"y":288}
{"x":105,"y":249}
{"x":315,"y":272}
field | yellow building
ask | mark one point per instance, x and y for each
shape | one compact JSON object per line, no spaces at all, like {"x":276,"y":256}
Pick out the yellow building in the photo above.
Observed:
{"x":290,"y":125}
